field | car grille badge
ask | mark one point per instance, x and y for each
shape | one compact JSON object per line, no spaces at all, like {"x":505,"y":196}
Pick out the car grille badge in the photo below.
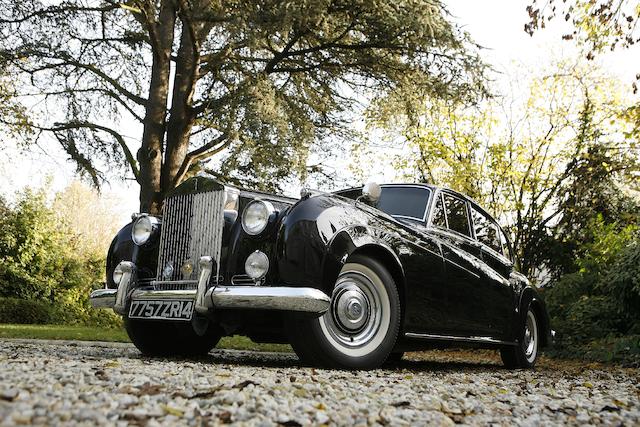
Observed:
{"x":187,"y":269}
{"x":167,"y":271}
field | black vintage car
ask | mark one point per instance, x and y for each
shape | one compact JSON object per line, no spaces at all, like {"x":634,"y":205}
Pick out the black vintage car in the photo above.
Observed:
{"x":351,"y":279}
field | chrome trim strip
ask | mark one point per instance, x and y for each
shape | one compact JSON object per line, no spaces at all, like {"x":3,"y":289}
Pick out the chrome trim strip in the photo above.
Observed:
{"x":309,"y":300}
{"x":143,"y":294}
{"x":174,"y":282}
{"x":128,"y":269}
{"x":477,"y":340}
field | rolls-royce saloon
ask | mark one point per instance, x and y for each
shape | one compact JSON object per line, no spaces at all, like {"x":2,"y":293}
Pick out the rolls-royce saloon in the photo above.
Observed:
{"x":351,"y":279}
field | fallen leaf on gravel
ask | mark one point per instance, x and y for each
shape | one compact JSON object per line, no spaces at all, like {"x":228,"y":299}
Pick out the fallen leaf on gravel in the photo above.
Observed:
{"x":145,"y":389}
{"x":112,"y":364}
{"x":172,"y":411}
{"x":300,"y":392}
{"x":620,"y":403}
{"x":200,"y":395}
{"x":320,"y":406}
{"x":587,"y":384}
{"x":225,"y":417}
{"x":101,"y":375}
{"x":244,"y":384}
{"x":9,"y":395}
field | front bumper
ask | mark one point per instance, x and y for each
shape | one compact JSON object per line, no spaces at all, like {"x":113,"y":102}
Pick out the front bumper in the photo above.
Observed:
{"x":284,"y":298}
{"x":308,"y":300}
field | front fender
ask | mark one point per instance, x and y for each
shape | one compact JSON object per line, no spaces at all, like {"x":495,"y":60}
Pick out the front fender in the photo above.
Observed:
{"x":122,"y":248}
{"x":320,"y":233}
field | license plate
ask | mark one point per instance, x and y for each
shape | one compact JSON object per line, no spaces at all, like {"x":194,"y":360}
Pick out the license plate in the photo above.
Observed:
{"x":161,"y":309}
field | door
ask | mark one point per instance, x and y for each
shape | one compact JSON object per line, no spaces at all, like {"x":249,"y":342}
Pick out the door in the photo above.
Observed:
{"x":463,"y":259}
{"x":496,"y":291}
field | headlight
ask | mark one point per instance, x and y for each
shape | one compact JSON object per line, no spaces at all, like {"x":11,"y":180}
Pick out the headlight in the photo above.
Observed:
{"x":256,"y":216}
{"x":257,"y":265}
{"x":143,"y":229}
{"x":117,"y":274}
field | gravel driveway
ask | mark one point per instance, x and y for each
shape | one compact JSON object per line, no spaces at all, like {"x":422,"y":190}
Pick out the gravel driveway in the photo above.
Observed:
{"x":88,"y":384}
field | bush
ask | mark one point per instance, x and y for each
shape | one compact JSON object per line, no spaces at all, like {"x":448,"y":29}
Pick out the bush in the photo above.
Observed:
{"x":48,"y":265}
{"x":15,"y":310}
{"x":596,"y":309}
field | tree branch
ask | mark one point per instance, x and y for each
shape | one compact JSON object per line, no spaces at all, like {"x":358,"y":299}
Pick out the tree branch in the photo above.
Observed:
{"x":88,"y":125}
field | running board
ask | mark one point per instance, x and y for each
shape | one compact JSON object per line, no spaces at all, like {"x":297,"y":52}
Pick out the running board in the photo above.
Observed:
{"x":474,"y":340}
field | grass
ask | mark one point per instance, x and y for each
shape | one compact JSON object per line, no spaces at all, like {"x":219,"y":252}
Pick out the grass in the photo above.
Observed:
{"x":62,"y":332}
{"x":88,"y":333}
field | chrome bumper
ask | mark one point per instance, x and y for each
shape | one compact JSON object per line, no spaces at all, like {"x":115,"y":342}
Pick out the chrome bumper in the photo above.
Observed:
{"x":308,"y":300}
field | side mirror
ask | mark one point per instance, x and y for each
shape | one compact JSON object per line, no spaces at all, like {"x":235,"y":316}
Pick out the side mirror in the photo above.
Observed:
{"x":371,"y":192}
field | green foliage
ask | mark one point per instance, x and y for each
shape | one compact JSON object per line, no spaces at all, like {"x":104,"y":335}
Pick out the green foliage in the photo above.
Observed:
{"x":43,"y":264}
{"x":543,"y":163}
{"x":602,"y":298}
{"x":14,"y":310}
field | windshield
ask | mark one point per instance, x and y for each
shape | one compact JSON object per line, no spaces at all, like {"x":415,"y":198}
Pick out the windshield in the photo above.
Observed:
{"x":405,"y":202}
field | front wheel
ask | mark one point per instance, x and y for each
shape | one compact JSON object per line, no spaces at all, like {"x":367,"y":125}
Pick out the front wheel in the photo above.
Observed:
{"x":156,"y":338}
{"x":525,"y":353}
{"x":361,"y":326}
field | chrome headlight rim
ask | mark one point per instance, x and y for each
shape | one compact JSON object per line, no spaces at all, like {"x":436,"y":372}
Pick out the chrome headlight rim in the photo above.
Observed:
{"x":258,"y":227}
{"x":150,"y":224}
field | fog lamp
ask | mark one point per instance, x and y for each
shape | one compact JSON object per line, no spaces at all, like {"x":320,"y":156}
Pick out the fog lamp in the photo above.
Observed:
{"x":257,"y":265}
{"x":117,"y":274}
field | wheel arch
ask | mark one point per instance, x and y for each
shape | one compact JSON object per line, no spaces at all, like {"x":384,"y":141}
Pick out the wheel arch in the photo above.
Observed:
{"x":530,"y":297}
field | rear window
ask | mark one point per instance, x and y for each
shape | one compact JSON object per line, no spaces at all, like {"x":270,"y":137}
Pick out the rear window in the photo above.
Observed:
{"x":406,"y":202}
{"x":486,"y":230}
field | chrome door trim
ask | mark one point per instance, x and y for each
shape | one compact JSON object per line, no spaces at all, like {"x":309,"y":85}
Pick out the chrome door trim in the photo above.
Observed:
{"x":476,"y":340}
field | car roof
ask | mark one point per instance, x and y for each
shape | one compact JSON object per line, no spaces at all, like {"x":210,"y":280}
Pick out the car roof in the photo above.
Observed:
{"x":432,"y":187}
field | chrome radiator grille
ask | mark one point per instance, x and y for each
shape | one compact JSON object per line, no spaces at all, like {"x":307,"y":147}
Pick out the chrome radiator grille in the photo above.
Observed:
{"x":192,"y":227}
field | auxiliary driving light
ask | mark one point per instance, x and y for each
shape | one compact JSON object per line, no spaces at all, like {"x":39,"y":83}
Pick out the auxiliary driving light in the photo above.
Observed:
{"x":257,"y":265}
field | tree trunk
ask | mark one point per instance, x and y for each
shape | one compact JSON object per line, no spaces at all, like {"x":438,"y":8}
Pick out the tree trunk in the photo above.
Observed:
{"x":150,"y":153}
{"x":181,"y":116}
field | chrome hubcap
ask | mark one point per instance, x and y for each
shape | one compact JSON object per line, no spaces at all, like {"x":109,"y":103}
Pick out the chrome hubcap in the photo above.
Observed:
{"x":351,"y":308}
{"x":530,"y":341}
{"x":356,"y":311}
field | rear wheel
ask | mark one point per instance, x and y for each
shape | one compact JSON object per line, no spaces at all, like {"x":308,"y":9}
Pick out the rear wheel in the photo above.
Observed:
{"x":525,"y":354}
{"x":154,"y":338}
{"x":362,"y":324}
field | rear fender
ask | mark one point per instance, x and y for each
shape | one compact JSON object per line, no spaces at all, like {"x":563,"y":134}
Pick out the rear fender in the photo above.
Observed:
{"x":531,"y":297}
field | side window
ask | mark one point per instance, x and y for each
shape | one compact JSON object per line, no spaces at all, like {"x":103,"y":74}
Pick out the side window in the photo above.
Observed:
{"x":505,"y":245}
{"x":486,"y":230}
{"x":457,"y":217}
{"x":439,"y":217}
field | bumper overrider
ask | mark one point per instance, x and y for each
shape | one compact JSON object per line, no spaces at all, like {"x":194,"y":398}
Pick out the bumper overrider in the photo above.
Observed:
{"x":284,"y":298}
